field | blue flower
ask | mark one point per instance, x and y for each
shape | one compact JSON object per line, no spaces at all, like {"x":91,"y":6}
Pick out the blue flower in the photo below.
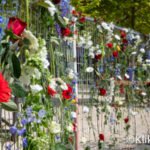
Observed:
{"x":31,"y":119}
{"x":21,"y":132}
{"x":1,"y":19}
{"x":8,"y":146}
{"x":13,"y":130}
{"x":41,"y":113}
{"x":25,"y":142}
{"x":24,"y":121}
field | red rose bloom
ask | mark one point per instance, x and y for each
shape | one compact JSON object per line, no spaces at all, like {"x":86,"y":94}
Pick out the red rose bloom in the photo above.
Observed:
{"x":109,"y":45}
{"x":56,"y":1}
{"x":75,"y":13}
{"x":67,"y":93}
{"x":5,"y":91}
{"x":101,"y":137}
{"x":125,"y":41}
{"x":123,"y":34}
{"x":115,"y":54}
{"x":102,"y":91}
{"x":126,"y":120}
{"x":98,"y":56}
{"x":51,"y":91}
{"x":16,"y":25}
{"x":65,"y":31}
{"x":82,"y":20}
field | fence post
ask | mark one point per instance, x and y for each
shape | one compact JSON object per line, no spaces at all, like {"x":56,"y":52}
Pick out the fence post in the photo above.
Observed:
{"x":76,"y":87}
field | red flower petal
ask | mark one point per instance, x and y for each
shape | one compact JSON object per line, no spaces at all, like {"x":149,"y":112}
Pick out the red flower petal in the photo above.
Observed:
{"x":5,"y":91}
{"x":98,"y":56}
{"x":67,"y":94}
{"x":51,"y":91}
{"x":82,"y":20}
{"x":65,"y":32}
{"x":102,"y":91}
{"x":115,"y":54}
{"x":126,"y":120}
{"x":123,"y":34}
{"x":109,"y":45}
{"x":101,"y":137}
{"x":16,"y":25}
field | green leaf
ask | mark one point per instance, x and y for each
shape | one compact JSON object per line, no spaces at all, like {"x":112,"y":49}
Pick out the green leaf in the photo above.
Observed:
{"x":15,"y":65}
{"x":43,"y":4}
{"x":60,"y":147}
{"x":18,"y":90}
{"x":10,"y":106}
{"x":60,"y":20}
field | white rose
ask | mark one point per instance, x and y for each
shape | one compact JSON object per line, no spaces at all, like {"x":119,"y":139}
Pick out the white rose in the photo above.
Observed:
{"x":55,"y":127}
{"x":85,"y":109}
{"x":36,"y":88}
{"x":89,"y":69}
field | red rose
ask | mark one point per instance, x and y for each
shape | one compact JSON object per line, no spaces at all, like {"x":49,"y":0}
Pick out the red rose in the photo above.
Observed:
{"x":16,"y":25}
{"x":67,"y":94}
{"x":126,"y":120}
{"x":115,"y":54}
{"x":98,"y":56}
{"x":51,"y":91}
{"x":65,"y":31}
{"x":123,"y":34}
{"x":56,"y":1}
{"x":5,"y":91}
{"x":109,"y":45}
{"x":101,"y":137}
{"x":102,"y":91}
{"x":82,"y":20}
{"x":125,"y":41}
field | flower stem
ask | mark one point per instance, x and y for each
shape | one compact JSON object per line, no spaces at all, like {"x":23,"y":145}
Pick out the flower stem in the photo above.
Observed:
{"x":27,"y":13}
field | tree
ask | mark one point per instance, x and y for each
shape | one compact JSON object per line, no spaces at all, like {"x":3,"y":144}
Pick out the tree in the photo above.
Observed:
{"x":127,"y":13}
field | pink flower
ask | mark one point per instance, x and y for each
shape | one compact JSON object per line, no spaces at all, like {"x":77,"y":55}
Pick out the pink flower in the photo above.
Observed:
{"x":16,"y":25}
{"x":5,"y":91}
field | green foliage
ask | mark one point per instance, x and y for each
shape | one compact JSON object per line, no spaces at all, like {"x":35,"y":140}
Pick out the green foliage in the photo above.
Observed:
{"x":9,"y":106}
{"x":130,"y":13}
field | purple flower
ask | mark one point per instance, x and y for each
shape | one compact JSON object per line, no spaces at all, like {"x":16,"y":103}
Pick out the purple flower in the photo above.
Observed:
{"x":24,"y":121}
{"x":30,"y":119}
{"x":29,"y":111}
{"x":25,"y":142}
{"x":21,"y":132}
{"x":8,"y":146}
{"x":13,"y":130}
{"x":41,"y":113}
{"x":1,"y":19}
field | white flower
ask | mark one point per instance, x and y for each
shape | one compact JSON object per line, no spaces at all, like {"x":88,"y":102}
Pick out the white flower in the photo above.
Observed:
{"x":119,"y":77}
{"x":64,"y":86}
{"x":36,"y":74}
{"x":139,"y":59}
{"x":143,"y":94}
{"x":117,"y":37}
{"x":89,"y":69}
{"x":53,"y":84}
{"x":52,"y":9}
{"x":88,"y":44}
{"x":33,"y":40}
{"x":105,"y":26}
{"x":71,"y":75}
{"x":99,"y":28}
{"x":142,"y":50}
{"x":74,"y":19}
{"x":85,"y":109}
{"x":127,"y":76}
{"x":73,"y":115}
{"x":147,"y":60}
{"x":91,"y":54}
{"x":66,"y":20}
{"x":55,"y":127}
{"x":69,"y":127}
{"x":98,"y":52}
{"x":36,"y":88}
{"x":134,"y":53}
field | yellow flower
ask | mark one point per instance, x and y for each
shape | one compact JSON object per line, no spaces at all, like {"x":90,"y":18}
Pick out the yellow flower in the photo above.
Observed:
{"x":118,"y":48}
{"x":73,"y":101}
